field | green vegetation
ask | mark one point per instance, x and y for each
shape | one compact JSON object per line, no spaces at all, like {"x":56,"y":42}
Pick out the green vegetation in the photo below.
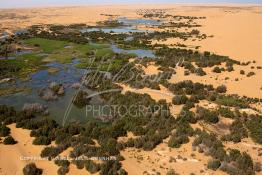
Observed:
{"x":81,"y":99}
{"x":179,"y":99}
{"x":9,"y":140}
{"x":254,"y":125}
{"x":31,"y":169}
{"x":221,"y":89}
{"x":234,"y":162}
{"x":207,"y":115}
{"x":237,"y":132}
{"x":65,"y":51}
{"x":213,"y":164}
{"x":233,"y":101}
{"x":4,"y":131}
{"x":12,"y":90}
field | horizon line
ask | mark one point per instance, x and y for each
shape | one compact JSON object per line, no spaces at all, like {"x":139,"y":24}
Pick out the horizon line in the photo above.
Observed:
{"x":143,"y":3}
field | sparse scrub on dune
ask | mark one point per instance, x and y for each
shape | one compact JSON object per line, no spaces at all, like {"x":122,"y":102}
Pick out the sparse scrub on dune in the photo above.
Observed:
{"x":254,"y":125}
{"x":237,"y":132}
{"x":250,"y":74}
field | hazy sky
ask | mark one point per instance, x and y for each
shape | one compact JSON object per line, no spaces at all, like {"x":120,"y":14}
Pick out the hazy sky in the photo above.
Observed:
{"x":33,"y":3}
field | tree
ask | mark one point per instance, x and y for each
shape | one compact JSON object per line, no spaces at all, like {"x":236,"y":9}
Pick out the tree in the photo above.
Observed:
{"x":63,"y":170}
{"x":4,"y":131}
{"x":217,"y":69}
{"x":81,"y":99}
{"x":9,"y":141}
{"x":213,"y":164}
{"x":179,"y":99}
{"x":221,"y":89}
{"x":31,"y":169}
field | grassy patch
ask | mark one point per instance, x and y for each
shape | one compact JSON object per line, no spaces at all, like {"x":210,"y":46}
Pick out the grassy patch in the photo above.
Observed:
{"x":48,"y":46}
{"x":231,"y":101}
{"x":58,"y":51}
{"x":13,"y":90}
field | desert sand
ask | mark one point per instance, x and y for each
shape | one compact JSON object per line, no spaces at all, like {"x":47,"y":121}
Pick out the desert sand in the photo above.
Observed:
{"x":12,"y":157}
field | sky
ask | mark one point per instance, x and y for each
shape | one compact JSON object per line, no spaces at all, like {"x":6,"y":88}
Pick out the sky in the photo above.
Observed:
{"x":41,"y":3}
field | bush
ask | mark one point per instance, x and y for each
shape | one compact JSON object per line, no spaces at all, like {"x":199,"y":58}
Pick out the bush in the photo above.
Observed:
{"x":207,"y":115}
{"x":242,"y":72}
{"x":250,"y":74}
{"x":254,"y":126}
{"x":171,"y":172}
{"x":51,"y":152}
{"x":4,"y":131}
{"x":122,"y":172}
{"x":200,"y":72}
{"x":92,"y":167}
{"x":62,"y":162}
{"x":42,"y":140}
{"x":31,"y":169}
{"x":9,"y":141}
{"x":216,"y":69}
{"x":63,"y":170}
{"x":179,"y":99}
{"x":230,"y":68}
{"x":237,"y":131}
{"x":221,"y":89}
{"x":176,"y":141}
{"x":110,"y":146}
{"x":257,"y":167}
{"x":81,"y":99}
{"x":213,"y":164}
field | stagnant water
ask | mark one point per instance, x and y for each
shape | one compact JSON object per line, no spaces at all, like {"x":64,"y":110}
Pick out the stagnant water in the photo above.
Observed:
{"x":67,"y":76}
{"x":141,"y":53}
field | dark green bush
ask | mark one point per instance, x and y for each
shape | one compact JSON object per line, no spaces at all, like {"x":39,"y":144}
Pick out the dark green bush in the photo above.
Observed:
{"x":213,"y":164}
{"x":9,"y":141}
{"x":31,"y":169}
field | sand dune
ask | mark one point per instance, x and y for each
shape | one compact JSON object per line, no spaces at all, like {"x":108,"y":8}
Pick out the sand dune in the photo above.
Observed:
{"x":12,"y":157}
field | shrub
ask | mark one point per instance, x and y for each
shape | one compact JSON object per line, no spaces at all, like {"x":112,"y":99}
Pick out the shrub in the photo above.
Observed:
{"x":63,"y":170}
{"x":122,"y":172}
{"x":207,"y":115}
{"x":200,"y":72}
{"x":9,"y":141}
{"x":230,"y":68}
{"x":110,"y":146}
{"x":242,"y":72}
{"x":213,"y":164}
{"x":254,"y":126}
{"x":257,"y":167}
{"x":51,"y":152}
{"x":237,"y":131}
{"x":221,"y":89}
{"x":4,"y":131}
{"x":216,"y":69}
{"x":31,"y":169}
{"x":171,"y":172}
{"x":176,"y":141}
{"x":81,"y":99}
{"x":226,"y":112}
{"x":91,"y":166}
{"x":62,"y":162}
{"x":250,"y":74}
{"x":42,"y":140}
{"x":179,"y":99}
